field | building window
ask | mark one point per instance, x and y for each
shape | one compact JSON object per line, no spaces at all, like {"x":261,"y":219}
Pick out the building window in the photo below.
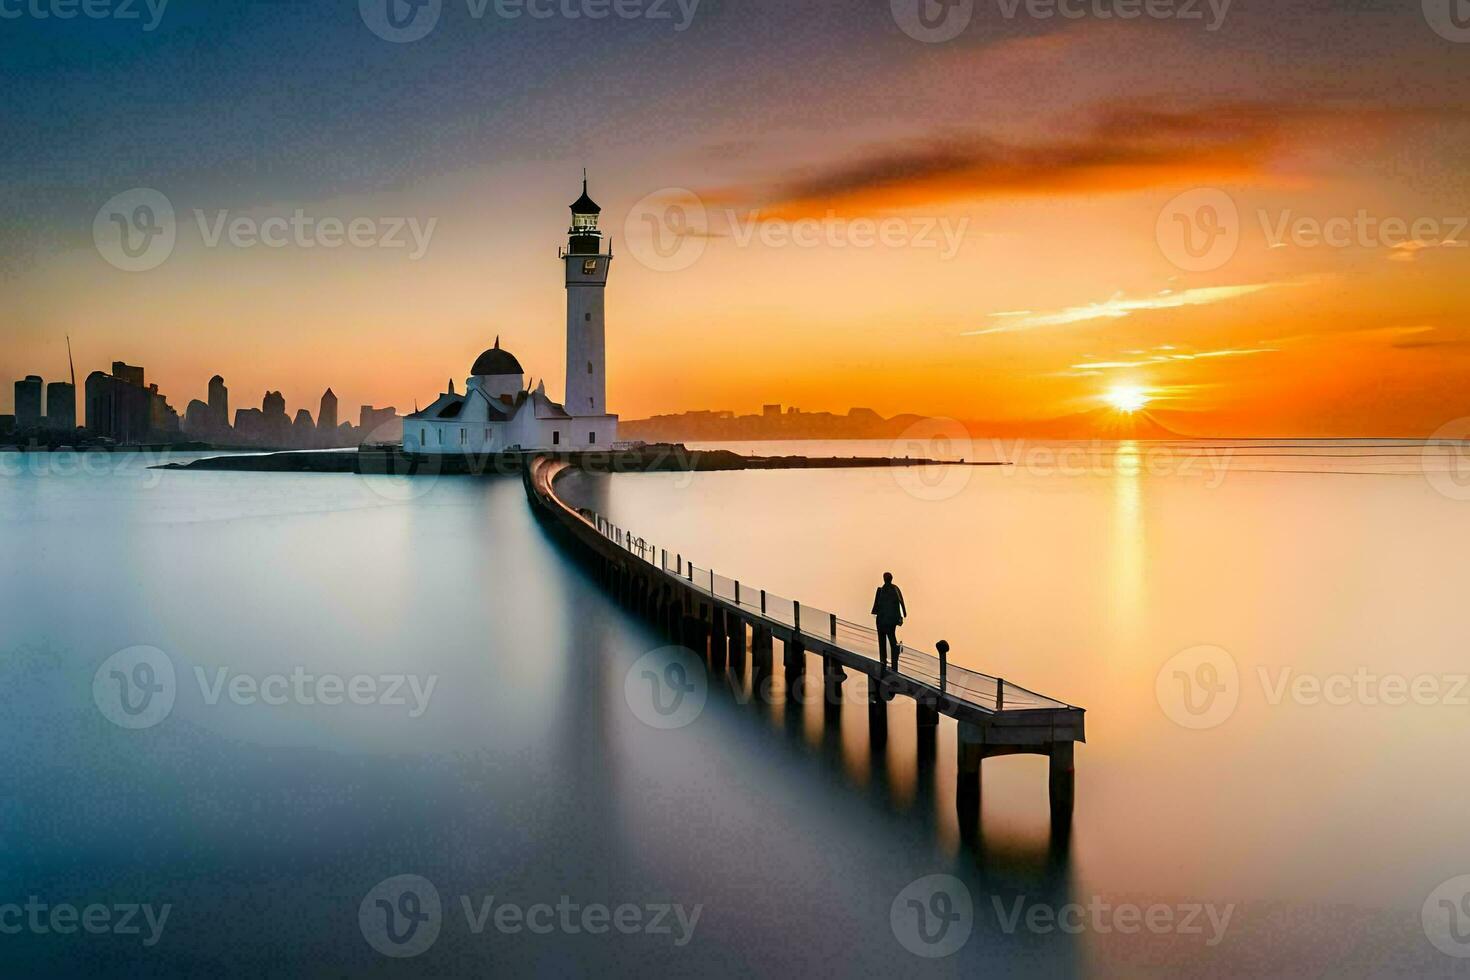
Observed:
{"x":589,"y":367}
{"x":463,"y":433}
{"x":441,"y":436}
{"x":588,"y":317}
{"x":556,"y":438}
{"x":592,"y":438}
{"x":424,"y":436}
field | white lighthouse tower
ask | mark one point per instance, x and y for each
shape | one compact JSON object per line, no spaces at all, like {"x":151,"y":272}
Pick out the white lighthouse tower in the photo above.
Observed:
{"x":587,"y":266}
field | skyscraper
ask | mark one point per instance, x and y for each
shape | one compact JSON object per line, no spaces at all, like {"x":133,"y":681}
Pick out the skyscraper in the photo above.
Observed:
{"x":28,"y":403}
{"x":219,"y":404}
{"x":326,"y":418}
{"x":128,"y":373}
{"x":277,"y":422}
{"x":118,"y":409}
{"x":61,"y":406}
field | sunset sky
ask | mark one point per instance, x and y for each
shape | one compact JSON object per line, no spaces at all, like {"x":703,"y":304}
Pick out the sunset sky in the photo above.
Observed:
{"x":1064,"y":158}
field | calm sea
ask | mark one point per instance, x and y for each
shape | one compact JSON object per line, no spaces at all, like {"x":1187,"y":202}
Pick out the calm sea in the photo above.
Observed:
{"x":258,"y":700}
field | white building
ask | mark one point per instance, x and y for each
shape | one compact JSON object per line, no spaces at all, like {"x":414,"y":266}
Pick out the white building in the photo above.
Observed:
{"x":496,"y":413}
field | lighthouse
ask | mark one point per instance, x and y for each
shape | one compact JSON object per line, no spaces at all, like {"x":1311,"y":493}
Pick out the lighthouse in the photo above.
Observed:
{"x":587,"y":265}
{"x":497,"y":412}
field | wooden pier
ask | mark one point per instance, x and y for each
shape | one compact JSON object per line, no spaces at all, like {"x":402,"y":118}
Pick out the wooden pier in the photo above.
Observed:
{"x":726,"y":620}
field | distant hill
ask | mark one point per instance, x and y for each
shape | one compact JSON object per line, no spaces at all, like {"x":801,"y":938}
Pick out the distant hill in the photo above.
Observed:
{"x":861,"y":423}
{"x":1102,"y":423}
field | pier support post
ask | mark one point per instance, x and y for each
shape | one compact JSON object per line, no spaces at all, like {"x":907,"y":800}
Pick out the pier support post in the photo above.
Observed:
{"x":718,"y":639}
{"x":760,"y":665}
{"x":877,"y":711}
{"x":832,"y":677}
{"x":694,"y":635}
{"x":969,"y":754}
{"x":737,"y":642}
{"x":1062,"y":780}
{"x":795,"y":658}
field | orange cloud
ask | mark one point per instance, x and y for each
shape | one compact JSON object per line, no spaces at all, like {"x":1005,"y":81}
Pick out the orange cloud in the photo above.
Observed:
{"x":1121,"y":148}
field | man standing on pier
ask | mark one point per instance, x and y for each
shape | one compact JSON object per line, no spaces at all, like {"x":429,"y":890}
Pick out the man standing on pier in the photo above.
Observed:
{"x":889,"y":610}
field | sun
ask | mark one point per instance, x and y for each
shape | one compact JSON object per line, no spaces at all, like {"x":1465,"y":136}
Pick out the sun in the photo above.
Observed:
{"x":1127,"y":398}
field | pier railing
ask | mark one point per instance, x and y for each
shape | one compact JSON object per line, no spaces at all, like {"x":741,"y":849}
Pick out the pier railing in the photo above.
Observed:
{"x":992,"y":693}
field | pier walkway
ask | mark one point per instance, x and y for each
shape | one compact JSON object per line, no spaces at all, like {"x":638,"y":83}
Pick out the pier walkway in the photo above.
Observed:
{"x":723,"y":618}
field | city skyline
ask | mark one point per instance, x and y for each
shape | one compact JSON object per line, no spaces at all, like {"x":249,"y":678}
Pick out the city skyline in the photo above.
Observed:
{"x":1037,"y":175}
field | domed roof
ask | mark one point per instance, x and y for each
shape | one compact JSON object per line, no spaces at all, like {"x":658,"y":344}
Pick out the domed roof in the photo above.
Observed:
{"x":496,"y":361}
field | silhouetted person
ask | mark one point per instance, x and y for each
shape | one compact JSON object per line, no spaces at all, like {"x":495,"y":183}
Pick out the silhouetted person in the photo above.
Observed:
{"x":889,"y":610}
